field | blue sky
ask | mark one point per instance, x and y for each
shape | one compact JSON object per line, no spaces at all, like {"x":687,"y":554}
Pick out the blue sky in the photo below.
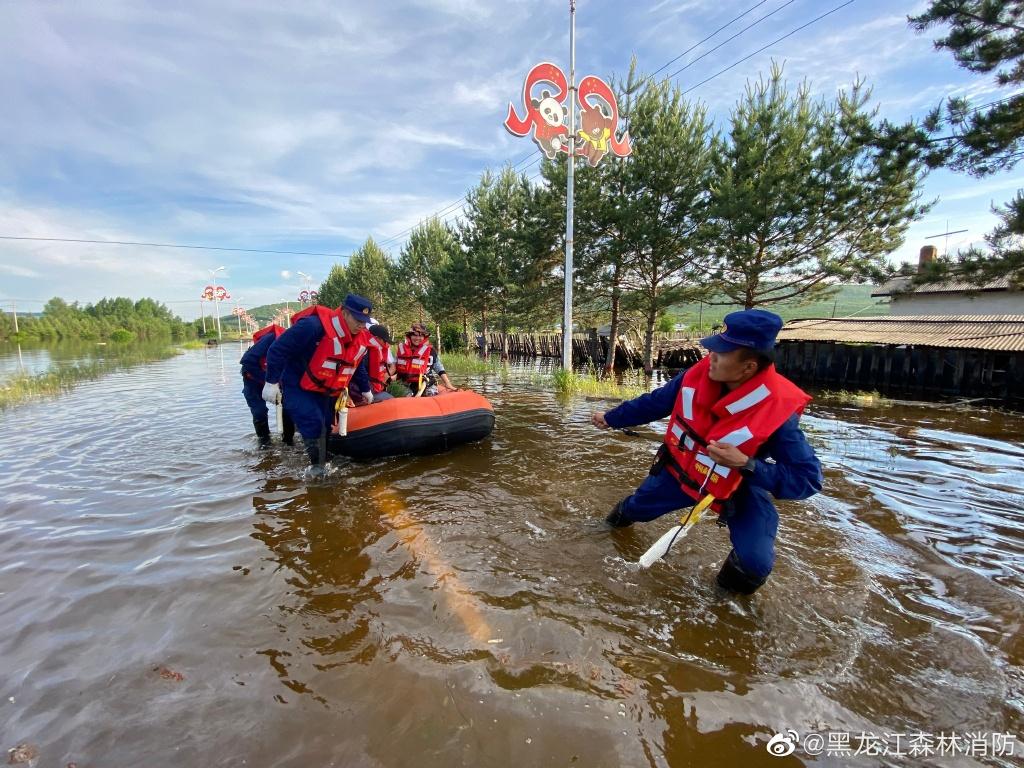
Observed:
{"x":308,"y":126}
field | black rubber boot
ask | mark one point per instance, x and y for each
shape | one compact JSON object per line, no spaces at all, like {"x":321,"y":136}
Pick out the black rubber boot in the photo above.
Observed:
{"x":287,"y":429}
{"x":312,"y":445}
{"x":262,"y":427}
{"x":733,"y":578}
{"x":617,"y":518}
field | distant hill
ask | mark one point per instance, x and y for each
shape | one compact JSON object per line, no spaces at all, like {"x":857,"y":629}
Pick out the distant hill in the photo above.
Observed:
{"x":849,"y":300}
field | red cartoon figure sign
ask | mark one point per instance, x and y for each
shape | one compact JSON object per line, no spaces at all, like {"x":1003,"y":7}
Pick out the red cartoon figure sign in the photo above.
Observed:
{"x":545,"y":115}
{"x":598,"y":121}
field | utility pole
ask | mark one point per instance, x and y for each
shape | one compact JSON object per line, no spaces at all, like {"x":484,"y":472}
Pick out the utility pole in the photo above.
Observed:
{"x":14,"y":311}
{"x":567,"y":314}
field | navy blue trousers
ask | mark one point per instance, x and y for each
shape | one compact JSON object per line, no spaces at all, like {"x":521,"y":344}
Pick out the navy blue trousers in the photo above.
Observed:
{"x":252,"y":389}
{"x":309,"y":410}
{"x":750,"y":515}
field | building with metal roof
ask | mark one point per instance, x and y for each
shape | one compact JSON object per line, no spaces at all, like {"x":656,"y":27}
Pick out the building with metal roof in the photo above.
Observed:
{"x":996,"y":332}
{"x":950,"y":297}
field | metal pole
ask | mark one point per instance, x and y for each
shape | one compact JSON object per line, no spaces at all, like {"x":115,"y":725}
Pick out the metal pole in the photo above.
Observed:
{"x":14,"y":309}
{"x":216,"y":303}
{"x":202,"y":311}
{"x":567,"y":316}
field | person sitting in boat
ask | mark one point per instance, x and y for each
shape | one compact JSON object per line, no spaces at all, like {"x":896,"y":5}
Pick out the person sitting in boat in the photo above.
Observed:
{"x":417,"y":365}
{"x":254,"y":372}
{"x":379,"y":366}
{"x":729,"y":413}
{"x":313,"y":363}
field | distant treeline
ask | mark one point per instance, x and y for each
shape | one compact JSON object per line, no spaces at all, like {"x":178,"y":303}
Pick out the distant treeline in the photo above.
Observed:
{"x":115,"y":320}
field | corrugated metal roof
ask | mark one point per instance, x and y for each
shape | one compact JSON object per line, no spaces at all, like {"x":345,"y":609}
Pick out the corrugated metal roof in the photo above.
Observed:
{"x":997,"y":332}
{"x":899,"y":285}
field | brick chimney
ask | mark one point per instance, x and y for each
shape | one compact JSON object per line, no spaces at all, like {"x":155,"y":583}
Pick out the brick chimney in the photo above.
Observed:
{"x":928,"y":254}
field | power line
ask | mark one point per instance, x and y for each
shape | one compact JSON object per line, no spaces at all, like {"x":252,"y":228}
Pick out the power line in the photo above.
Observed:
{"x":729,"y":39}
{"x":457,"y":205}
{"x":769,"y":45}
{"x":698,"y":44}
{"x":168,"y":245}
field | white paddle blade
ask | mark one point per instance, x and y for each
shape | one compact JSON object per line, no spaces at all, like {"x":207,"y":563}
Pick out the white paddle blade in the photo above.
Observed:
{"x":660,"y":547}
{"x":280,"y":418}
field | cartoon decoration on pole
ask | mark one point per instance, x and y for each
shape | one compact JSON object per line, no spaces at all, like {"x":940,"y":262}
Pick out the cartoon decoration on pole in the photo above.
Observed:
{"x":598,"y":123}
{"x":546,"y":116}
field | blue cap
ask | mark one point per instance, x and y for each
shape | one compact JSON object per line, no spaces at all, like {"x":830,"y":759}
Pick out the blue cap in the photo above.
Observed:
{"x":754,"y":329}
{"x":359,"y":306}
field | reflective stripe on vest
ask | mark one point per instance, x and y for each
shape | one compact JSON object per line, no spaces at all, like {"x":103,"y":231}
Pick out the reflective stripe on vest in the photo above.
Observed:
{"x":412,"y":363}
{"x":336,"y":356}
{"x":744,"y":417}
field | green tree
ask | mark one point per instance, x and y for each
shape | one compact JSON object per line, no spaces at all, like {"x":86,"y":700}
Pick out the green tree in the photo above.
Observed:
{"x":334,"y":287}
{"x":431,"y":246}
{"x":666,"y":204}
{"x":804,"y":196}
{"x":508,"y":251}
{"x":984,"y":36}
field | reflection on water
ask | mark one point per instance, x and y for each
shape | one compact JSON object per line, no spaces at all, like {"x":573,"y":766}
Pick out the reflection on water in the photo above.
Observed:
{"x":469,"y":608}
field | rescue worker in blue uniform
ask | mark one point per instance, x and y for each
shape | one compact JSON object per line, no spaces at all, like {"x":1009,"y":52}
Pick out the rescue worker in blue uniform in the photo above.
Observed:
{"x":254,"y":371}
{"x":733,"y":433}
{"x":312,"y":363}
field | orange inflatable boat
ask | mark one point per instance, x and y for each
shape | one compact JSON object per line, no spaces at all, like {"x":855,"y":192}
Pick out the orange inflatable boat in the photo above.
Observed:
{"x":414,"y":425}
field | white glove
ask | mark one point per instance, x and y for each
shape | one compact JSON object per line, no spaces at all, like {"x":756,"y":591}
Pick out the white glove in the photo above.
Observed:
{"x":368,"y":396}
{"x":272,"y":393}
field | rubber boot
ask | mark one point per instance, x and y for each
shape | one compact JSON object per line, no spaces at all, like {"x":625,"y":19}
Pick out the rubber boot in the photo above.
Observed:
{"x":262,"y":427}
{"x":287,"y":429}
{"x":312,"y":445}
{"x":617,"y":517}
{"x":733,"y":578}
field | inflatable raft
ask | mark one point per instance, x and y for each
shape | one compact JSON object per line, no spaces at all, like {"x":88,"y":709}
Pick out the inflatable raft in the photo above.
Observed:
{"x":414,"y":425}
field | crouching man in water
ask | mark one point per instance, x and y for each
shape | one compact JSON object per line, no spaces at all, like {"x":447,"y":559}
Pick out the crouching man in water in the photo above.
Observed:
{"x":729,"y":413}
{"x":313,"y":362}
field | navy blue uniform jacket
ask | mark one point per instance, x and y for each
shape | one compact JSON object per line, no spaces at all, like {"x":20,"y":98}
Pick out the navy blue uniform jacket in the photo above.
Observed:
{"x":795,"y":473}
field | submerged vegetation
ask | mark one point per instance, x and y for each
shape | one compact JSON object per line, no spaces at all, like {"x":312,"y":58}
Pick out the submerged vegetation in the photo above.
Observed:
{"x":63,"y":376}
{"x":632,"y":384}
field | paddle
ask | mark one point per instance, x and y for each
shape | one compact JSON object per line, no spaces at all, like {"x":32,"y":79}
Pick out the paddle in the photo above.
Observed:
{"x":422,"y":385}
{"x":661,"y":547}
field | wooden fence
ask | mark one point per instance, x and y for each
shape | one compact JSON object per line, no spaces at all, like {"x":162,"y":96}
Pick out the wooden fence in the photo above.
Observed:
{"x":891,"y":369}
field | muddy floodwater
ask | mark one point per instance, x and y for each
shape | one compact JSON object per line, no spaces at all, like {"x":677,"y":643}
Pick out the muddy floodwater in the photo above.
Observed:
{"x":171,"y":596}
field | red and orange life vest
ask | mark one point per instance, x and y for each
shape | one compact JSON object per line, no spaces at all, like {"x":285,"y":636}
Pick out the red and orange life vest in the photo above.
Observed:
{"x":411,"y":362}
{"x":744,"y":417}
{"x":274,"y":328}
{"x":336,"y":356}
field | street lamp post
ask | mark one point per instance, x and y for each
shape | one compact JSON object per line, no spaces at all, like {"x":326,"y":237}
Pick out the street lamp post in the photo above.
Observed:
{"x":216,"y":298}
{"x":307,"y":281}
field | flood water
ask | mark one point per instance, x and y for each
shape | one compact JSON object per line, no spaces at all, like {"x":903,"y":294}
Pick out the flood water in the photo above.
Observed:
{"x":169,"y":595}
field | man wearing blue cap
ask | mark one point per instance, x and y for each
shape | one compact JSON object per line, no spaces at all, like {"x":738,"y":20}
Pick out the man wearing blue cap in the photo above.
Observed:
{"x":313,"y":362}
{"x":727,"y":415}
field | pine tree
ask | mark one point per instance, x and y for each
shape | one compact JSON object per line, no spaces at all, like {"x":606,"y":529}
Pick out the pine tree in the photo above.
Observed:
{"x":985,"y":36}
{"x":804,"y":196}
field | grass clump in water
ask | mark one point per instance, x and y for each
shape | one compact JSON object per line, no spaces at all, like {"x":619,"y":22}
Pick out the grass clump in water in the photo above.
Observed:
{"x":569,"y":383}
{"x":62,"y":378}
{"x":462,"y":362}
{"x":862,"y":399}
